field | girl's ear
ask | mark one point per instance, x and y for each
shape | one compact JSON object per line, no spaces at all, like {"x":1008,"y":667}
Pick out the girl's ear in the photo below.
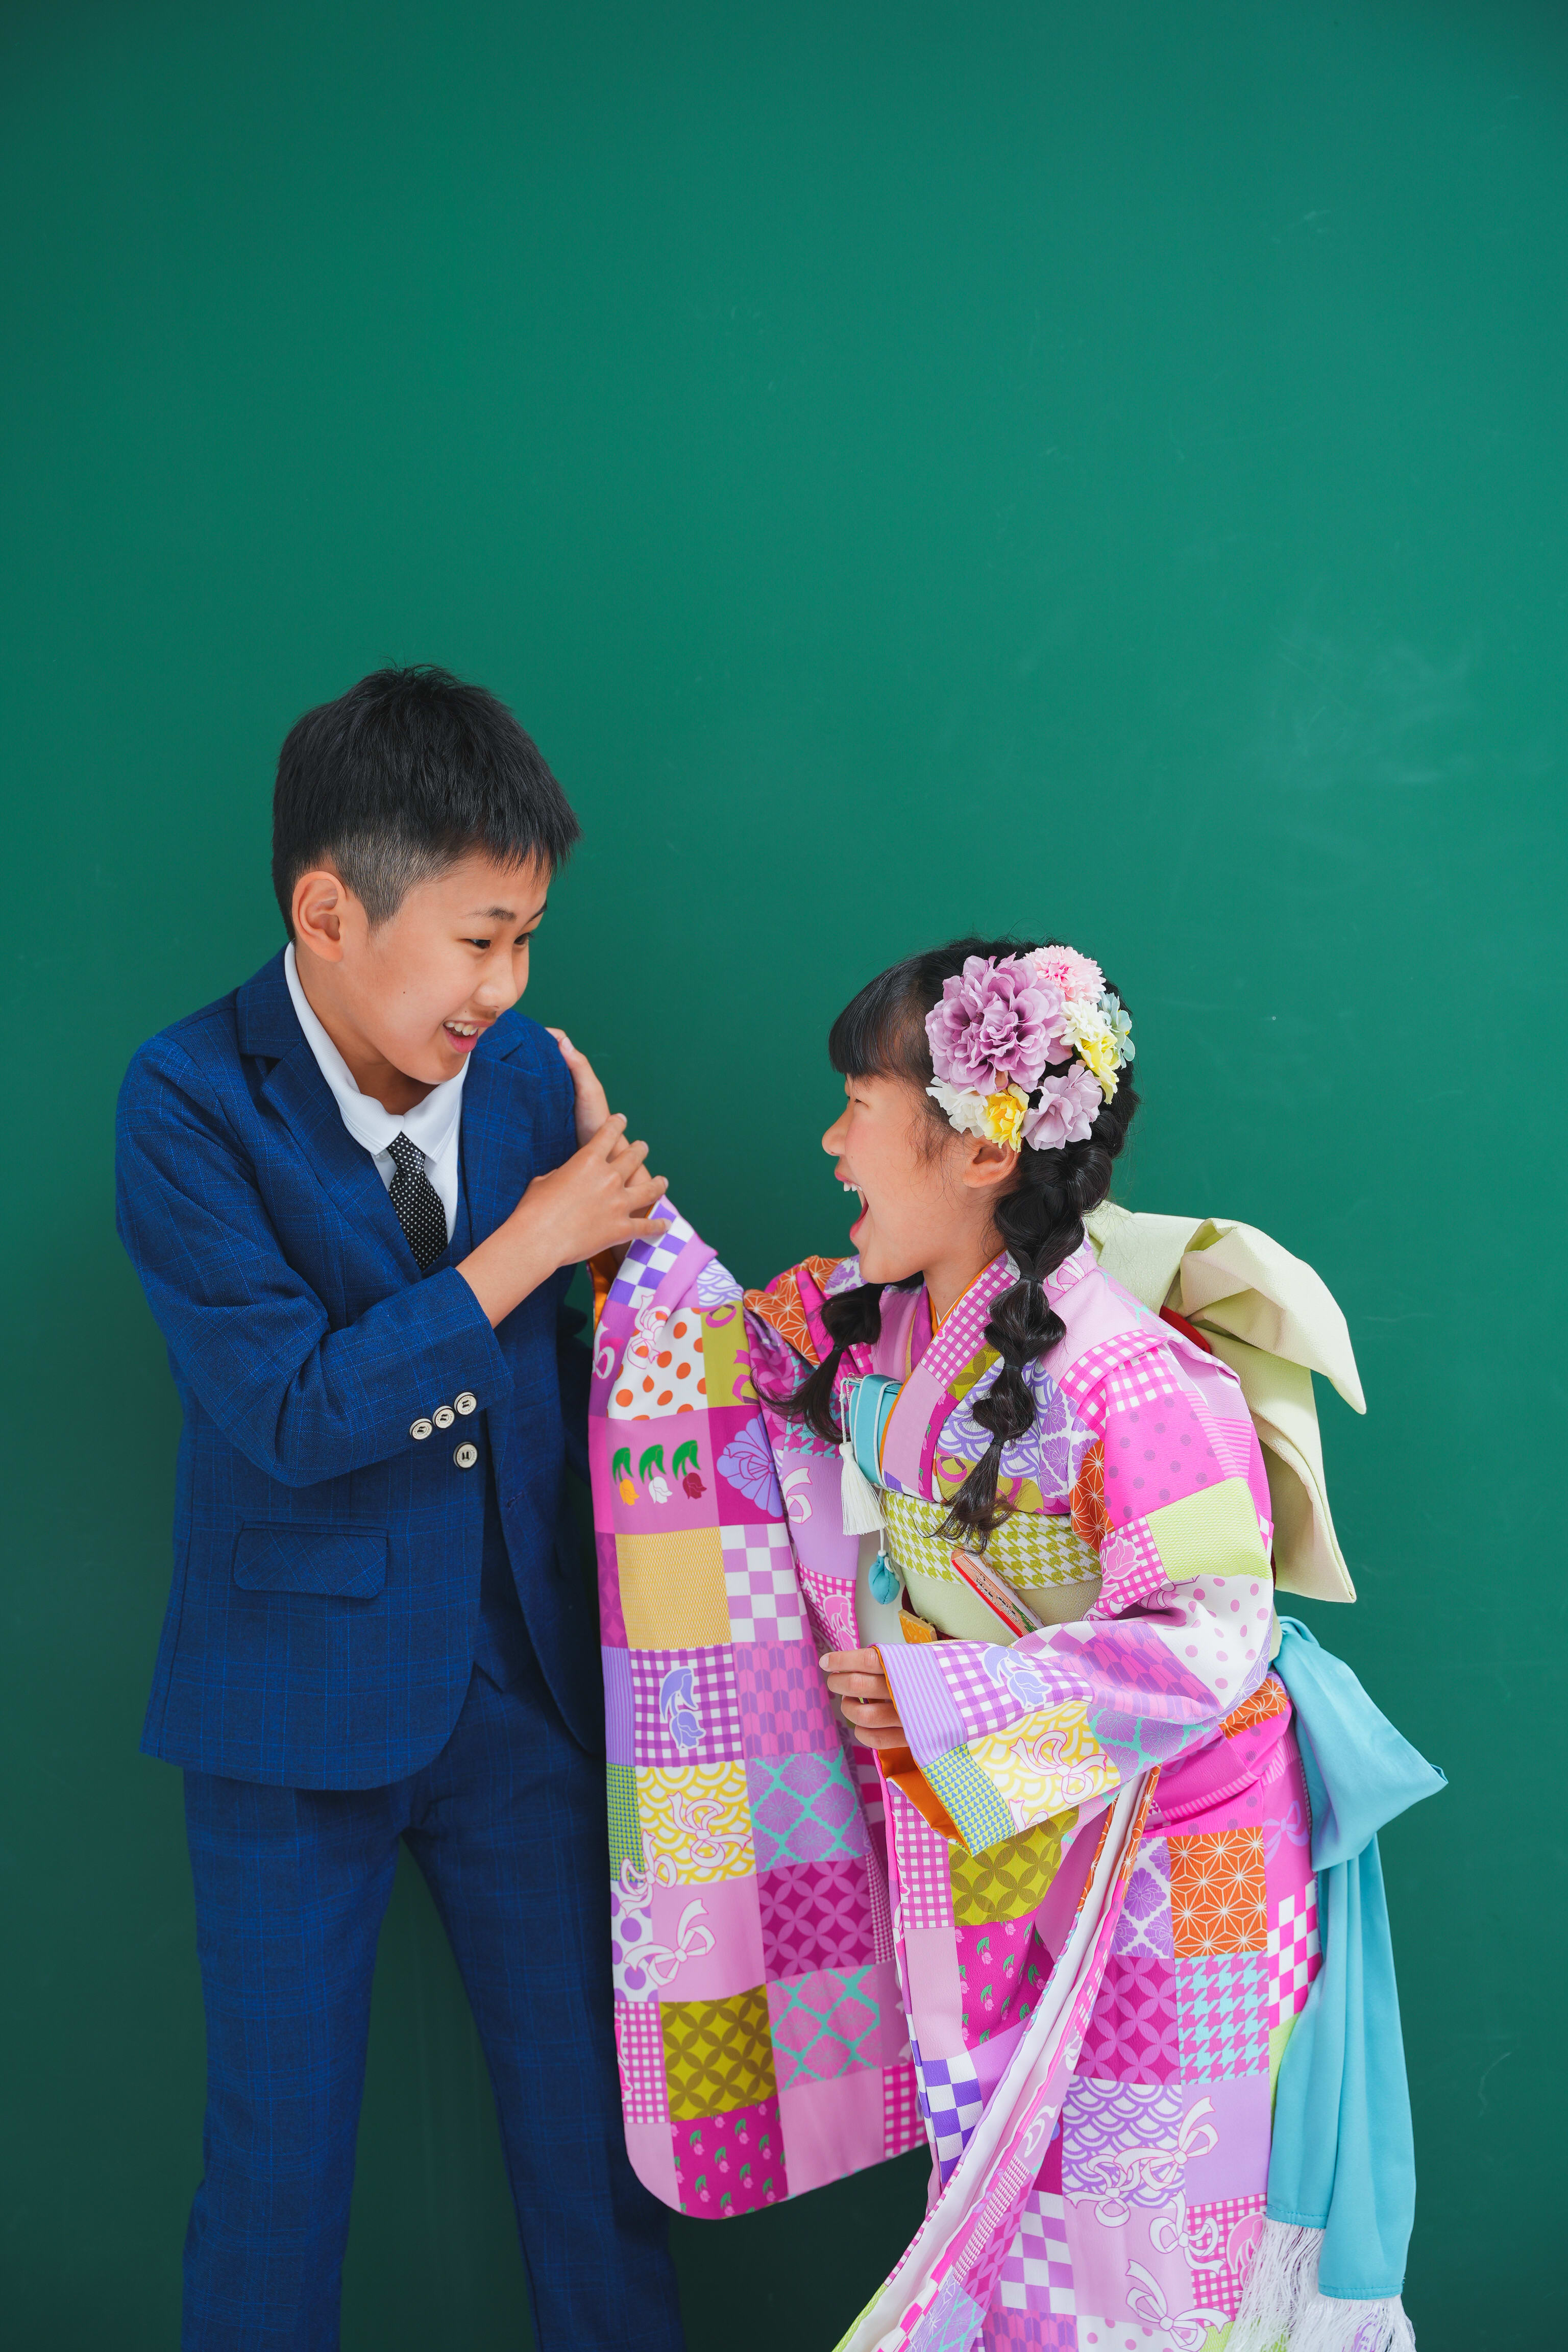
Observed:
{"x":987,"y":1166}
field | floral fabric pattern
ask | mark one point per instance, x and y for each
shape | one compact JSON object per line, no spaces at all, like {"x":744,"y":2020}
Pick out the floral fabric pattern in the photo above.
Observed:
{"x":808,"y":1973}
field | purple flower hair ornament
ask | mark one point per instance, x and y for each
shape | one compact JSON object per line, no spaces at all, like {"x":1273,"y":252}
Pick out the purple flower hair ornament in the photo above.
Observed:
{"x":1066,"y":1111}
{"x":998,"y":1023}
{"x":1001,"y":1023}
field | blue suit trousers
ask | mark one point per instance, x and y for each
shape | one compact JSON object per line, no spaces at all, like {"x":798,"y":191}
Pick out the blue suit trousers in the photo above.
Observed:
{"x":507,"y":1824}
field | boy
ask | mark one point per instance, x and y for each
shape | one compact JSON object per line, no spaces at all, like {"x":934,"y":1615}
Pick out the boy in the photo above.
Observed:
{"x":353,"y":1194}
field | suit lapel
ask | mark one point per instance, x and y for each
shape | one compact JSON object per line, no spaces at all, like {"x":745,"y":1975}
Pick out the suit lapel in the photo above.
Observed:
{"x":499,"y":1157}
{"x":268,"y":1025}
{"x":296,"y":1088}
{"x":499,"y":1150}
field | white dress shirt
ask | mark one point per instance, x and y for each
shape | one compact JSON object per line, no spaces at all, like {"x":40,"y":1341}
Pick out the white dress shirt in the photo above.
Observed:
{"x":432,"y":1126}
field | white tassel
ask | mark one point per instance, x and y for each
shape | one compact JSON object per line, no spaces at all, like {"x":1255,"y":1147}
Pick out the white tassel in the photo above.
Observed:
{"x":862,"y":1512}
{"x":1281,"y":2310}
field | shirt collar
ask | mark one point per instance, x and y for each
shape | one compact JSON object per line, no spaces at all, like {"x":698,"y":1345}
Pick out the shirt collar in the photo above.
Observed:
{"x":430,"y":1124}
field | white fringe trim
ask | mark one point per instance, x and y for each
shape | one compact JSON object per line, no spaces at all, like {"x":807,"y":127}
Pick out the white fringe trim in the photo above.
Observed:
{"x":1281,"y":2310}
{"x":862,"y":1511}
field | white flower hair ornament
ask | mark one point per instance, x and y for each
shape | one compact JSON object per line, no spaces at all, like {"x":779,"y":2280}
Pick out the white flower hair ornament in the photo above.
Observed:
{"x":1026,"y":1048}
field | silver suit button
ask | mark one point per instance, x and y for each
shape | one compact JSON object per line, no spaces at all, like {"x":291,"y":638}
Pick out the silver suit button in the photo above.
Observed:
{"x":420,"y":1428}
{"x":443,"y":1416}
{"x":466,"y":1402}
{"x":465,"y":1456}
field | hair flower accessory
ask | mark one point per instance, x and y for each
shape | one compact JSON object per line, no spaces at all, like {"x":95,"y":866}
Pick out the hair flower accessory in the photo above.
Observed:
{"x":996,"y":1024}
{"x":1003,"y":1024}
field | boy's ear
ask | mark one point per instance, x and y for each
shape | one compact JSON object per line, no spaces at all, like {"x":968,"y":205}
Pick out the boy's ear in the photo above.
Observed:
{"x":319,"y":904}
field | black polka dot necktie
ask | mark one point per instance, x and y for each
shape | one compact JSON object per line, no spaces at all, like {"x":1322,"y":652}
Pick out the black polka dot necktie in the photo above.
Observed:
{"x":417,"y":1202}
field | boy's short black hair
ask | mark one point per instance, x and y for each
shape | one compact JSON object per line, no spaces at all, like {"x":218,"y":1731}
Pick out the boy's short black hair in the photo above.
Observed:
{"x":403,"y":775}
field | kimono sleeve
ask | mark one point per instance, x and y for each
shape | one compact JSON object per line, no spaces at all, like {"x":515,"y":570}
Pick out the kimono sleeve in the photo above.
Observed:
{"x":1174,"y":1497}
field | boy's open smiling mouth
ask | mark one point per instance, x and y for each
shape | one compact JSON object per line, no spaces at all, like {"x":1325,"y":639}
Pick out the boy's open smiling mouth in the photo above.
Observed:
{"x":462,"y":1036}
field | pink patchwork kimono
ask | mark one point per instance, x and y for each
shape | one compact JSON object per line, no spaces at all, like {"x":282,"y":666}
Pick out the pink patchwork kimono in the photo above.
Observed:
{"x":1070,"y":1960}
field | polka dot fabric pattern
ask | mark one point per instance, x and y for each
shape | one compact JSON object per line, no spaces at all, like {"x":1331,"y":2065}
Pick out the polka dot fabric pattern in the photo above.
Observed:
{"x":824,"y":1971}
{"x":761,"y":2039}
{"x":417,"y":1202}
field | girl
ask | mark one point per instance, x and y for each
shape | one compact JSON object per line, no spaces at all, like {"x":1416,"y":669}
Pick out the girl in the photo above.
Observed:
{"x":952,"y":1792}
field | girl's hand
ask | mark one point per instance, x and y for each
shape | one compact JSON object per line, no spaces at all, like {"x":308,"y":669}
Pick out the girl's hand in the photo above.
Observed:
{"x":857,"y":1680}
{"x":592,"y":1103}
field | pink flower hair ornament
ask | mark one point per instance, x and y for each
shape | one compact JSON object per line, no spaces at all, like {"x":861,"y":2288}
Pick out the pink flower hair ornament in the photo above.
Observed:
{"x":1001,"y":1033}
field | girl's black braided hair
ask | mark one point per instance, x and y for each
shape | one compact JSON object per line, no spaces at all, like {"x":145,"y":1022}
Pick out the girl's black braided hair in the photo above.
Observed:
{"x":1039,"y":1219}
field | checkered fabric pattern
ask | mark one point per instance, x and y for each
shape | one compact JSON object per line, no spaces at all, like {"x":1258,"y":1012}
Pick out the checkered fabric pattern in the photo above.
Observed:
{"x":1222,"y":2239}
{"x":964,"y":1334}
{"x":882,"y":1943}
{"x":761,"y":1585}
{"x":792,"y":1844}
{"x":639,"y":2041}
{"x":983,"y":1705}
{"x":1148,"y":1379}
{"x":950,"y":2102}
{"x":1294,"y":1953}
{"x":647,"y":1263}
{"x":685,"y":1709}
{"x":626,"y":1829}
{"x":1086,"y":1382}
{"x":902,"y":2126}
{"x":1037,"y":2274}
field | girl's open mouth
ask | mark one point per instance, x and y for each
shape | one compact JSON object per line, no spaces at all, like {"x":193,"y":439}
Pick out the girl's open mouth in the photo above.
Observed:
{"x":860,"y":1219}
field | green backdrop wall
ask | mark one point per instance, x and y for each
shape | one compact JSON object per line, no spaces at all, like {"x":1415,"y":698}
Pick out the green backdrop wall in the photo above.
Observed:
{"x":1097,"y":470}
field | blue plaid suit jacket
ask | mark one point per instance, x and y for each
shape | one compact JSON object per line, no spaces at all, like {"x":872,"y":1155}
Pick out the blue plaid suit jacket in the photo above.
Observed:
{"x":321,"y":1626}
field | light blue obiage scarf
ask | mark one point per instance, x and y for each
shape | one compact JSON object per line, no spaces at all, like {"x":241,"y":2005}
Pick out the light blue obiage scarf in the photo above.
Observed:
{"x":1344,"y":2159}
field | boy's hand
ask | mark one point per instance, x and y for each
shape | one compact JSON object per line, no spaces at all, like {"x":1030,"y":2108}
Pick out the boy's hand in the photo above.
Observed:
{"x":597,"y":1200}
{"x":857,"y":1680}
{"x":592,"y":1103}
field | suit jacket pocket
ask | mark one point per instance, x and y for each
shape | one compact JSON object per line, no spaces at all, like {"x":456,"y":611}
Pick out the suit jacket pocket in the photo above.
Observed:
{"x":346,"y":1562}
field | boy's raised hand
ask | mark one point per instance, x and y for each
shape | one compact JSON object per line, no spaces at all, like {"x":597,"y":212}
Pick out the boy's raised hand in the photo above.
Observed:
{"x":592,"y":1103}
{"x":597,"y":1200}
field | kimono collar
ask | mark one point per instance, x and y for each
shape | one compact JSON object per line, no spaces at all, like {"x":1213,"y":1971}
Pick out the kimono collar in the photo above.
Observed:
{"x":846,"y":1274}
